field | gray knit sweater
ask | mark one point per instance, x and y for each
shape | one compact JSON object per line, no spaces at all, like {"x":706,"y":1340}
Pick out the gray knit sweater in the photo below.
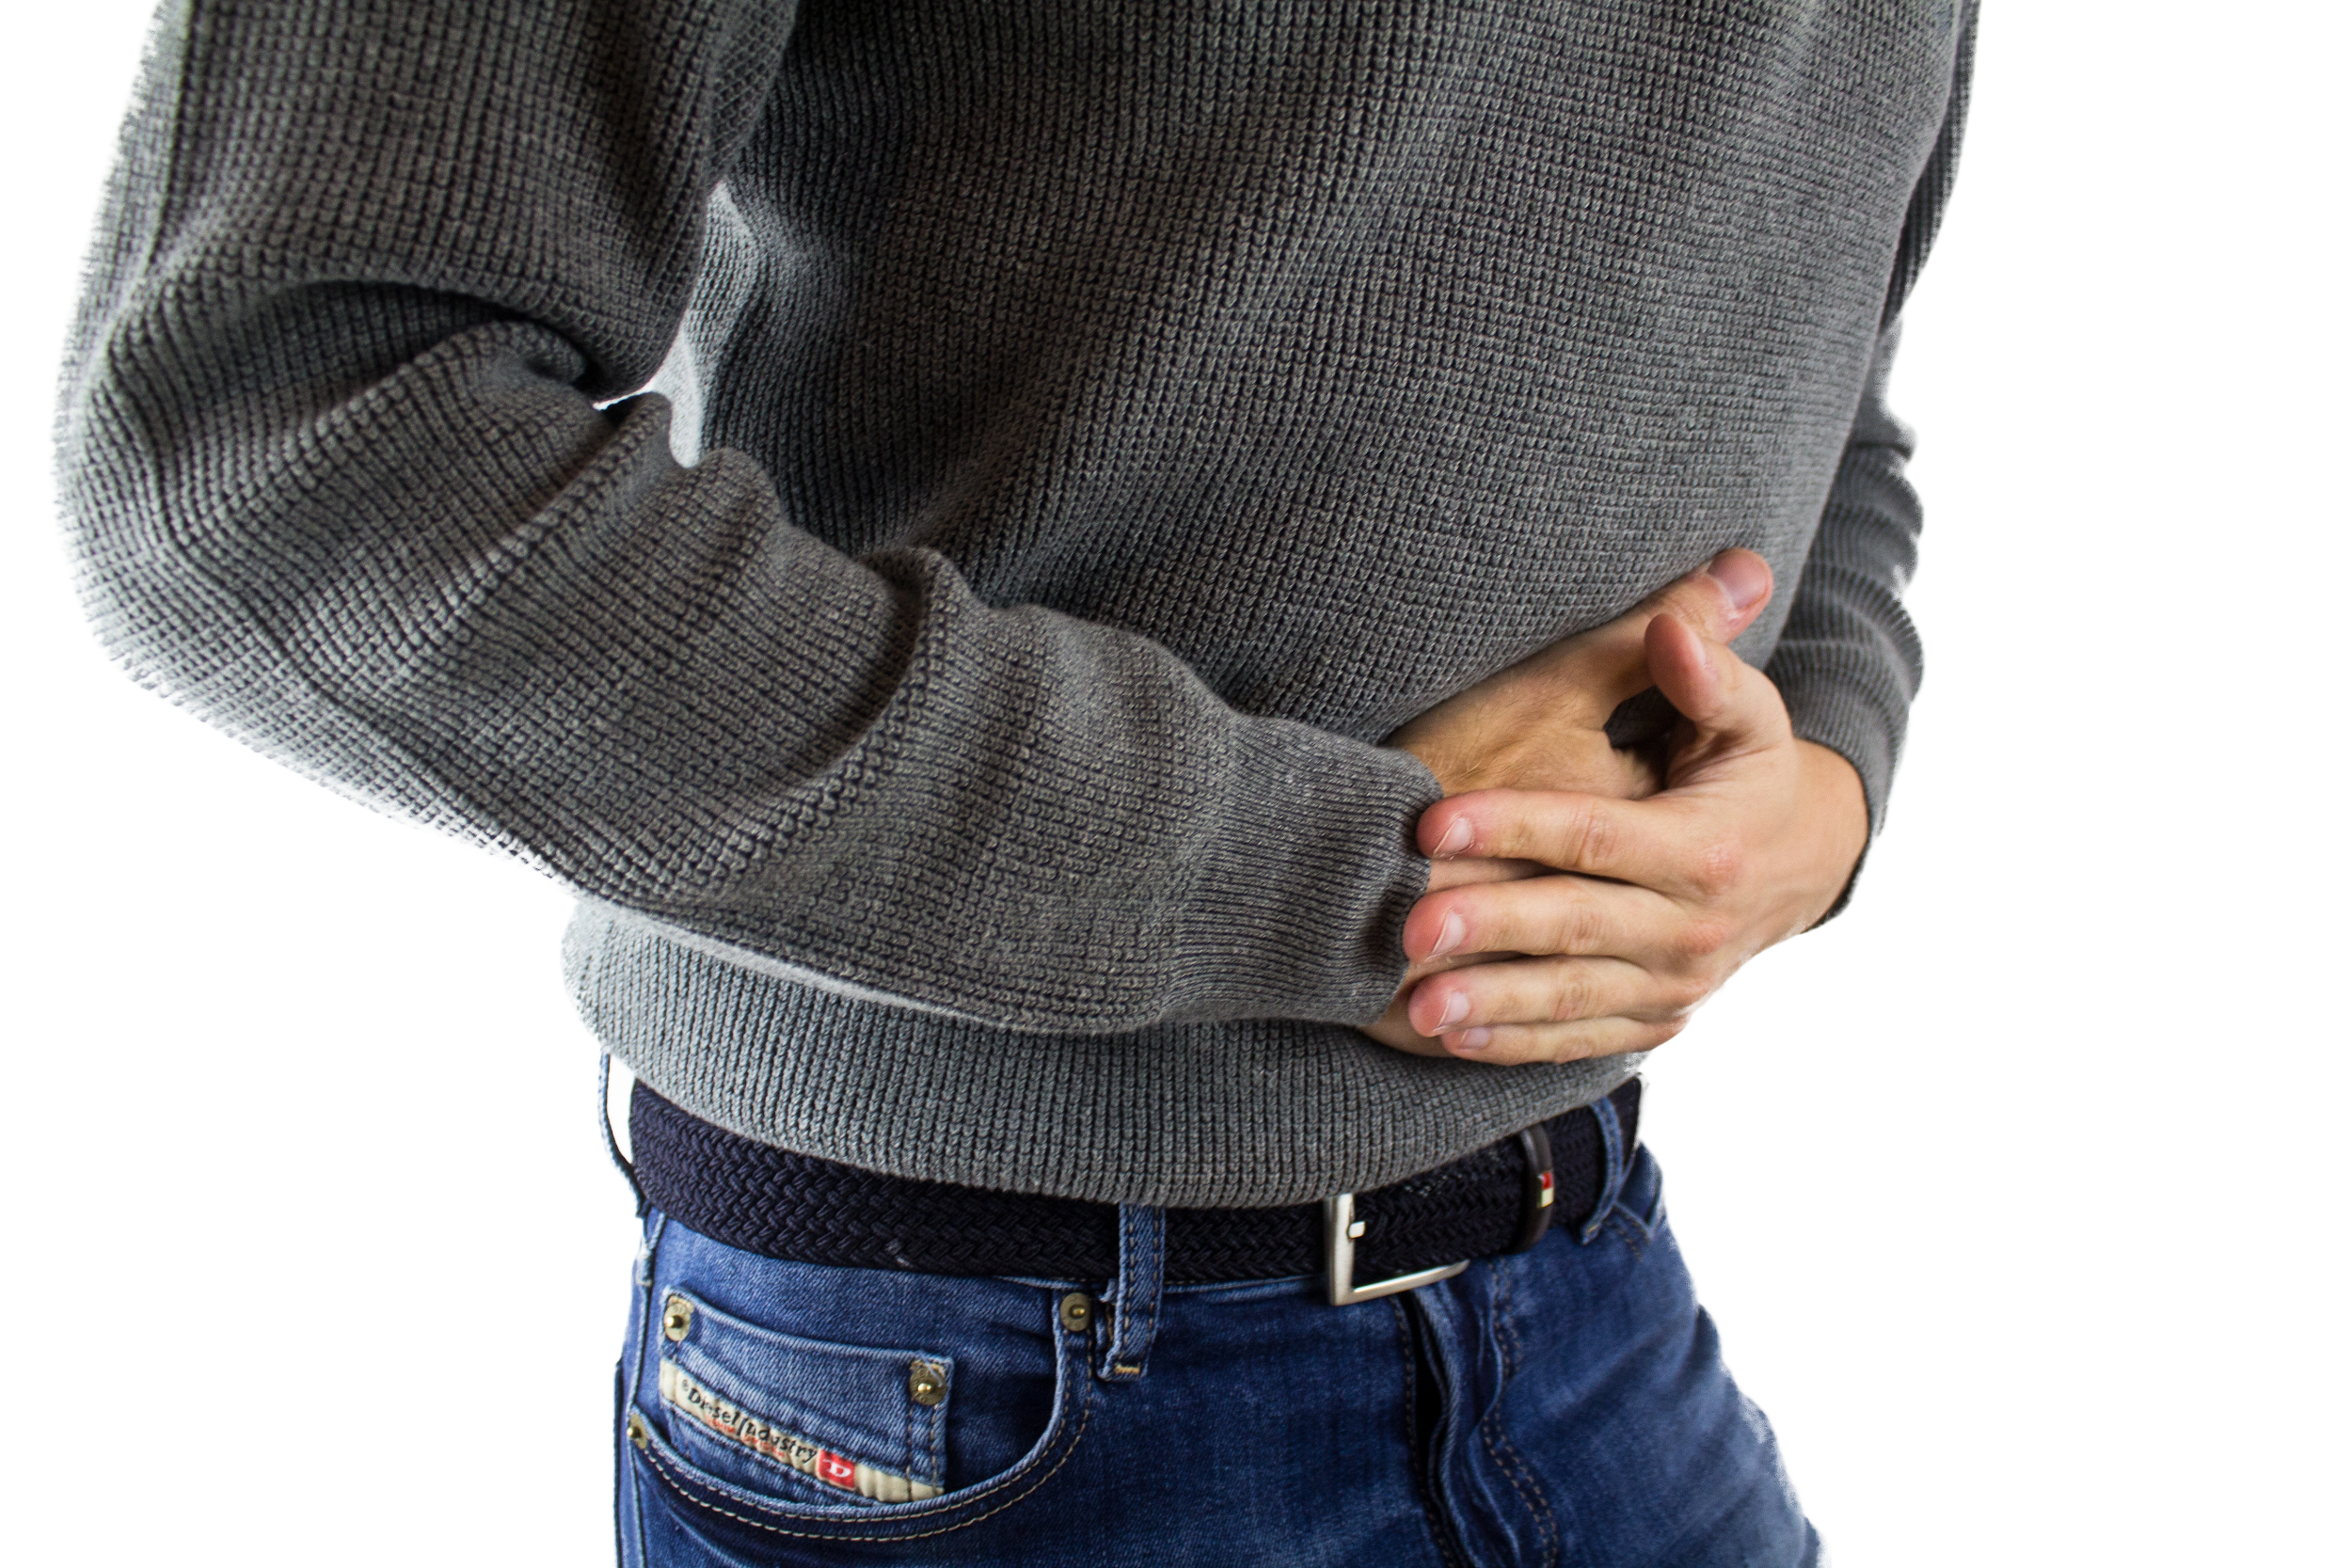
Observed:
{"x":1080,"y":430}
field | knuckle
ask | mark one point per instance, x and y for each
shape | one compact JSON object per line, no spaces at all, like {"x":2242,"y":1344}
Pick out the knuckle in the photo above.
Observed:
{"x":1701,"y":938}
{"x":1697,"y":603}
{"x":1720,"y":862}
{"x":1592,"y":835}
{"x":1553,"y":1044}
{"x":1571,"y":999}
{"x":1688,"y":595}
{"x":1577,"y":928}
{"x":1686,"y":996}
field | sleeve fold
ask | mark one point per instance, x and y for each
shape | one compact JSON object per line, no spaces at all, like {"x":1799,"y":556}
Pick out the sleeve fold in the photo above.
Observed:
{"x":345,"y":475}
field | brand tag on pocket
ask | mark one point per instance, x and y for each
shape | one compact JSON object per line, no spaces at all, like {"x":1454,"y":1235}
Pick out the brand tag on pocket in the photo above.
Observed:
{"x":689,"y":1397}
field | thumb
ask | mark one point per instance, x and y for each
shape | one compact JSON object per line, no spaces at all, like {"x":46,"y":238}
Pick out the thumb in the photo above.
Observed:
{"x":1740,"y":582}
{"x":1612,"y":662}
{"x":1682,"y":664}
{"x":1710,"y":685}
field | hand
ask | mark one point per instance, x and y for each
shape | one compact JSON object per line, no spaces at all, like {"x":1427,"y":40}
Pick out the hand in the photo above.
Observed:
{"x":1750,"y":841}
{"x":1539,"y":725}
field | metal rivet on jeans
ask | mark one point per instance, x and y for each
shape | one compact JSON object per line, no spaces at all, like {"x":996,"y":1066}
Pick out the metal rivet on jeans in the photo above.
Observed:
{"x":1076,"y":1311}
{"x":637,"y":1429}
{"x":677,"y":1316}
{"x":927,"y":1382}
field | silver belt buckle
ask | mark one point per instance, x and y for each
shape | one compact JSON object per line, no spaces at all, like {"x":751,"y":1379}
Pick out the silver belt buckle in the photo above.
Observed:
{"x":1341,"y":1229}
{"x":1341,"y":1232}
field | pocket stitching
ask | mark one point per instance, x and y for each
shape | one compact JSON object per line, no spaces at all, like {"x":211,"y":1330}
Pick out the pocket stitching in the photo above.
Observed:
{"x":1086,"y":1414}
{"x":798,"y":1488}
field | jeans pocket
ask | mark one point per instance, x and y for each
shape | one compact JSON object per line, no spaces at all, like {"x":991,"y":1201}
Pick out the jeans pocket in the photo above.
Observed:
{"x":815,"y":1421}
{"x":756,"y":1435}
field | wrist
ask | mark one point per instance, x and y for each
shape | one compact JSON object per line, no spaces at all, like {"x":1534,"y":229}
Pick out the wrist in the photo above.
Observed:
{"x":1836,"y":812}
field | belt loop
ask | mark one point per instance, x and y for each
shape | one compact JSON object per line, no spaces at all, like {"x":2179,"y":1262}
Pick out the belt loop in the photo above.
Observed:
{"x":1136,"y":1295}
{"x":1613,"y":1164}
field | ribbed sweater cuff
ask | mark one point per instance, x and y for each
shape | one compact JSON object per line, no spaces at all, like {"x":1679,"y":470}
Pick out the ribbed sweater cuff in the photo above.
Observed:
{"x":1300,"y":901}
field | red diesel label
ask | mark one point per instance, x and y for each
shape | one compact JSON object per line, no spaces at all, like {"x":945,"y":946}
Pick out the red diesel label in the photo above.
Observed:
{"x":713,"y":1412}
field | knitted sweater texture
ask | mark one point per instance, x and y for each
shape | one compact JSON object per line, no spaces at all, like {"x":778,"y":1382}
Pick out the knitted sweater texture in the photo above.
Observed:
{"x":924,"y":513}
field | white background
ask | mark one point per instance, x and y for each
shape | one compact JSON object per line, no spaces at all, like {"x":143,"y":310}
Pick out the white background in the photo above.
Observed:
{"x":2017,"y":1191}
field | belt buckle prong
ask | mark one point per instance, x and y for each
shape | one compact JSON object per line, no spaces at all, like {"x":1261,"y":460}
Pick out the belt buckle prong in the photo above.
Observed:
{"x":1341,"y":1229}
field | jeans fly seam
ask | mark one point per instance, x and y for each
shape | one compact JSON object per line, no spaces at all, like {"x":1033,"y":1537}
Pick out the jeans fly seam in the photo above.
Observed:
{"x":1514,"y":1471}
{"x":1508,"y":1349}
{"x":1418,"y":1461}
{"x":1507,"y":1330}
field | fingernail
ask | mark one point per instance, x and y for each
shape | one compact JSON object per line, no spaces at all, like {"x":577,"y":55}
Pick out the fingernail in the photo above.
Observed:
{"x":1456,"y":838}
{"x":1456,"y":1010}
{"x":1449,"y":934}
{"x":1744,"y":578}
{"x":1470,"y":1039}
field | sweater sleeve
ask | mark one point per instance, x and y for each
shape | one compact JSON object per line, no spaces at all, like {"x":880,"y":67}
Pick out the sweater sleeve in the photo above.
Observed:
{"x":348,"y":475}
{"x":1847,"y":662}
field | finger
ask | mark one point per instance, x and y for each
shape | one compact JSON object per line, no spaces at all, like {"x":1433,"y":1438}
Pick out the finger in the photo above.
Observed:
{"x":1449,"y":873}
{"x":1415,"y":974}
{"x":1601,"y":668}
{"x":1548,"y":991}
{"x":1663,"y":844}
{"x":1682,"y":664}
{"x":1544,"y":914}
{"x":1726,"y":701}
{"x":1397,"y":1032}
{"x":1513,"y":1045}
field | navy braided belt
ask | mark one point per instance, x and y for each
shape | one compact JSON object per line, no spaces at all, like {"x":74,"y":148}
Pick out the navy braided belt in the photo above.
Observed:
{"x":791,"y":1206}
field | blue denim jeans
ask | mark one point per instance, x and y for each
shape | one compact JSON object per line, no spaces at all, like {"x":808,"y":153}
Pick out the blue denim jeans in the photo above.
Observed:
{"x":1564,"y":1405}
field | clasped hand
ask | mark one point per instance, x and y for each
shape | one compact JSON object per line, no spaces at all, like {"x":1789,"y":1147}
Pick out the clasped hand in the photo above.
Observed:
{"x":1585,"y":900}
